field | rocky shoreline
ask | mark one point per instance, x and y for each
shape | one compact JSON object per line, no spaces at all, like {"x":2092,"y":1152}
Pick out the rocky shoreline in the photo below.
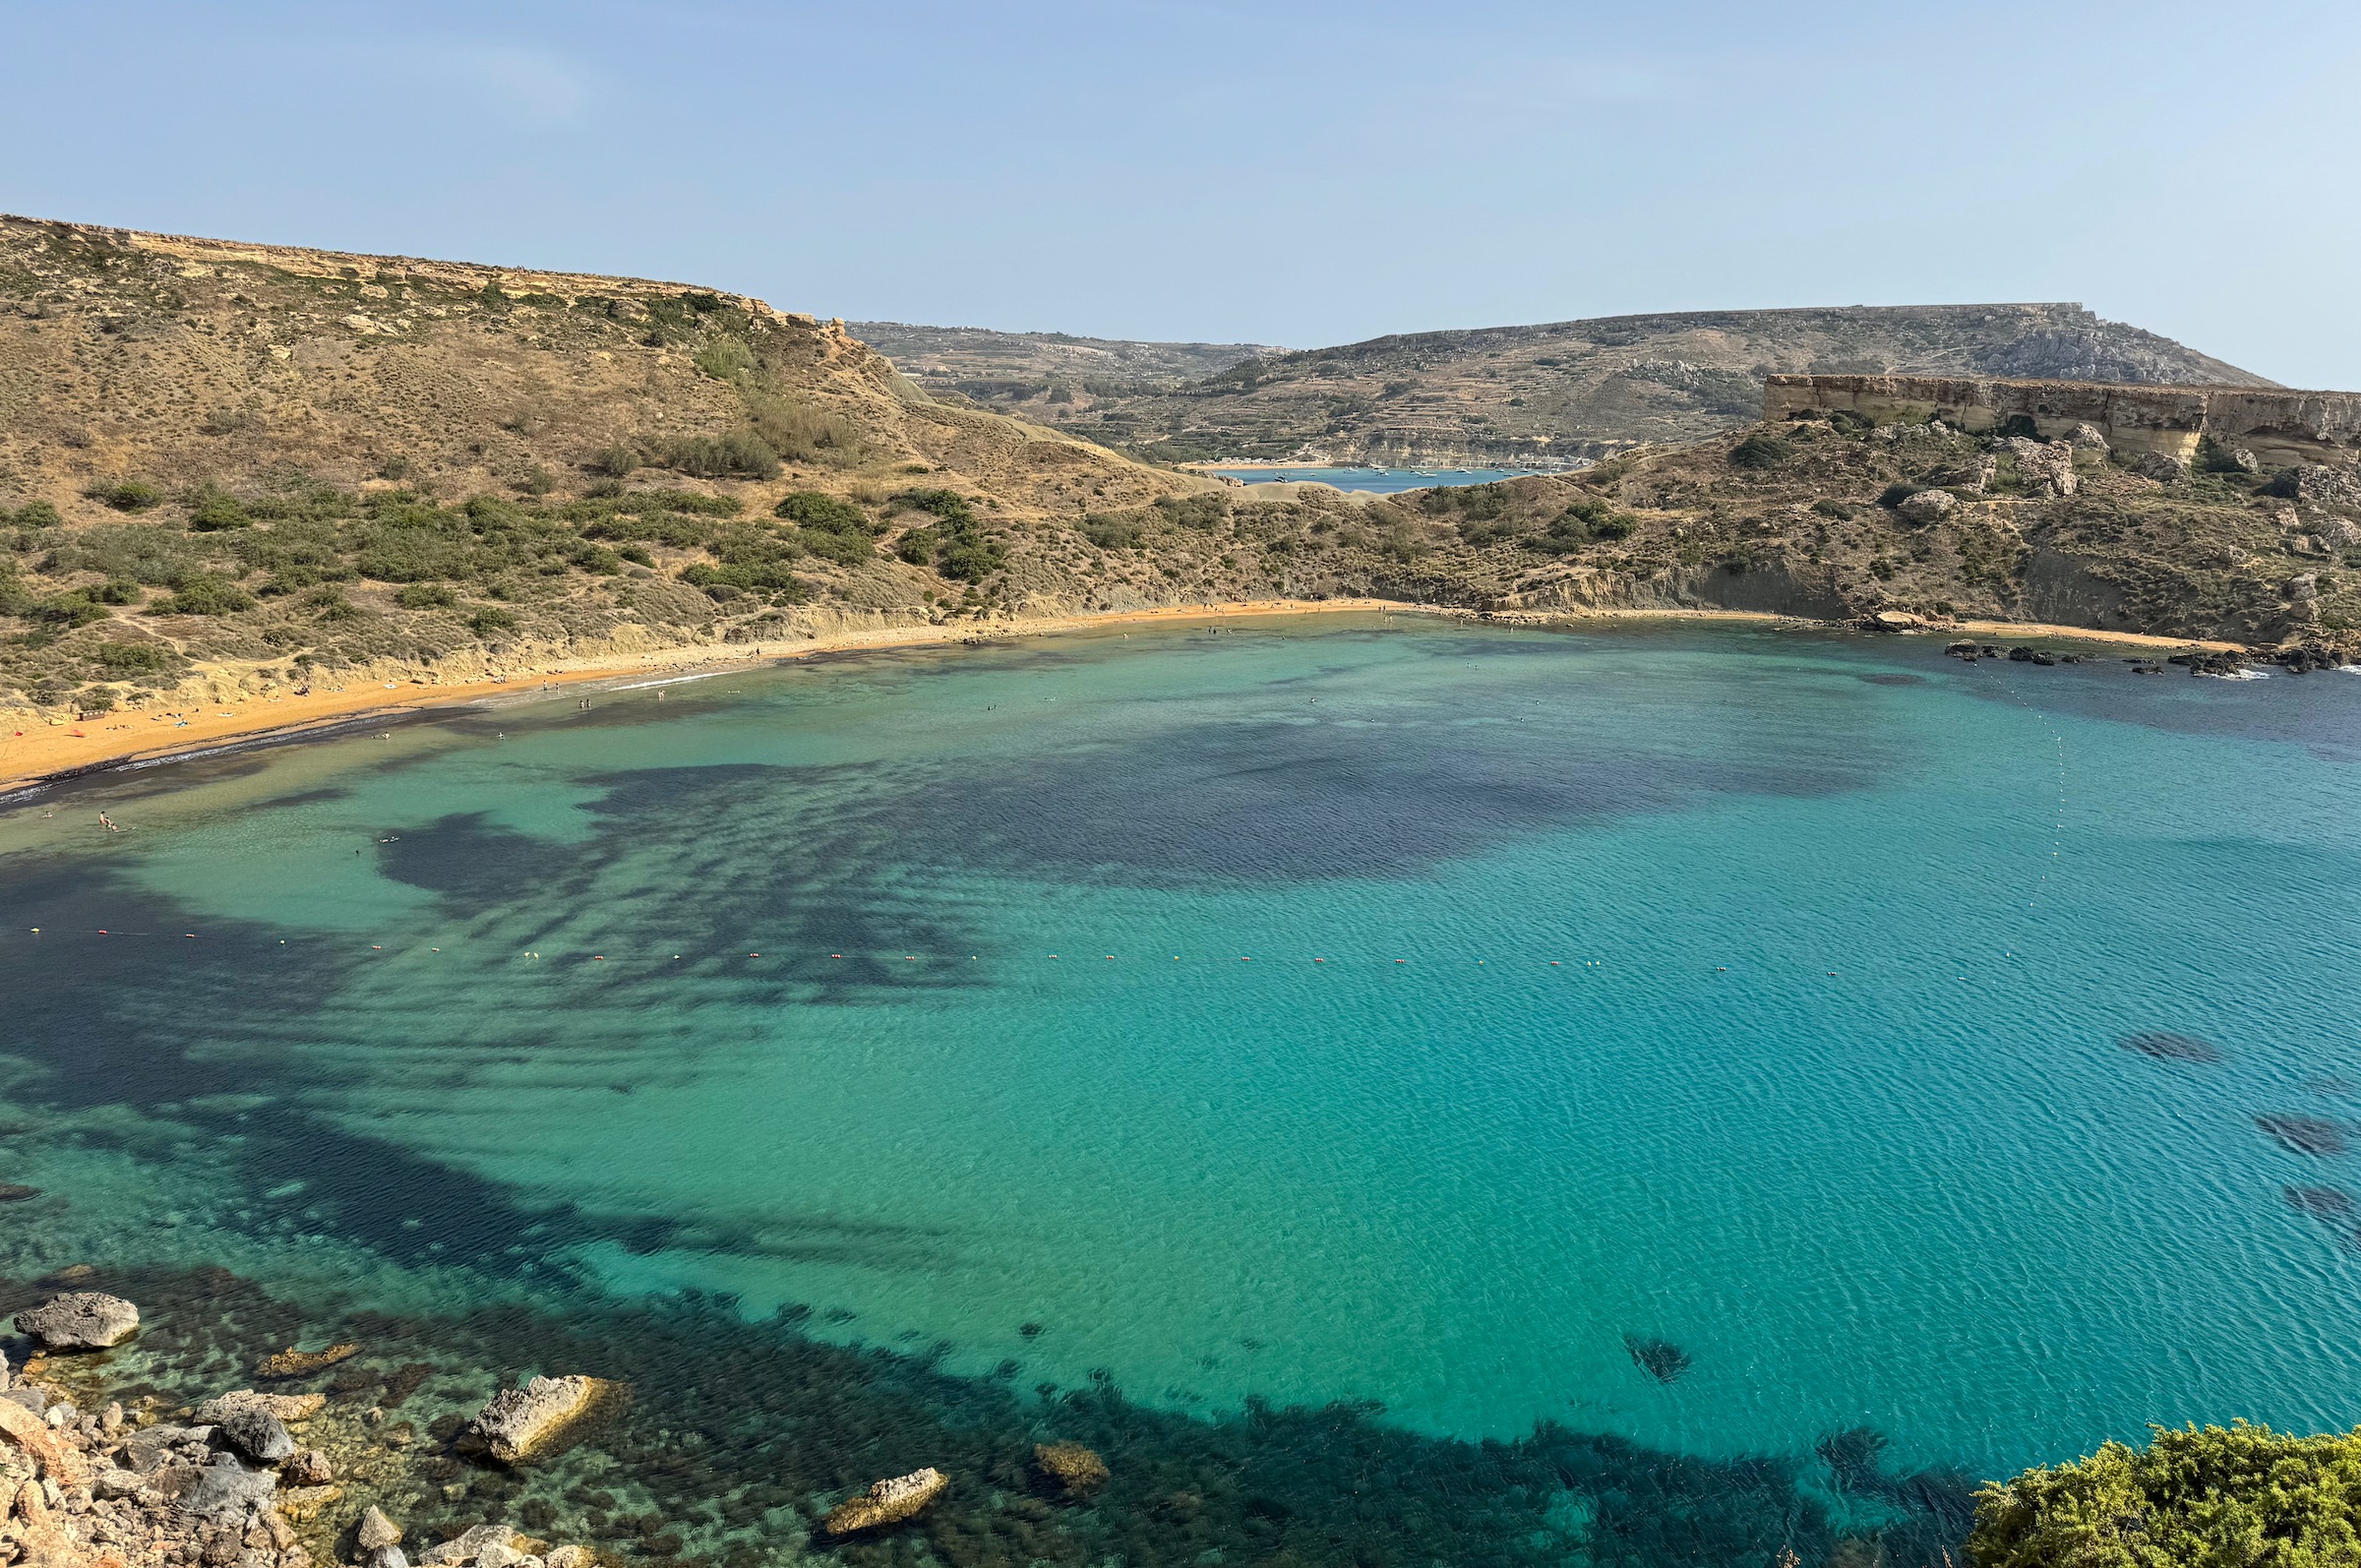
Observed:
{"x":249,"y":1479}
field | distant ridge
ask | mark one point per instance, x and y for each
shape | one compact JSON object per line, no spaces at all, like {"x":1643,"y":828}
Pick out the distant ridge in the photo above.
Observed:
{"x":1566,"y":390}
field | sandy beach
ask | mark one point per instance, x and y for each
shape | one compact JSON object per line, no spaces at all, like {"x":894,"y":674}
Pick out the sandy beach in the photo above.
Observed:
{"x":32,"y":754}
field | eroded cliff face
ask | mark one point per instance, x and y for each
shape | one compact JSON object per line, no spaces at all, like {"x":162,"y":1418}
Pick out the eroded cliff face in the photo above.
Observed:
{"x":2282,"y":428}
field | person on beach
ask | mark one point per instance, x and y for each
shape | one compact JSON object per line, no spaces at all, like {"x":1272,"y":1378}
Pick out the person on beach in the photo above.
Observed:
{"x":108,"y":824}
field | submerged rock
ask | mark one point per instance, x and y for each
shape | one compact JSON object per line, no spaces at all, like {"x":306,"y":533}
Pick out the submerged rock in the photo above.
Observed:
{"x":291,"y":1362}
{"x":81,"y":1320}
{"x":1661,"y":1360}
{"x":519,"y":1424}
{"x":887,"y":1503}
{"x":2313,"y":1136}
{"x":2167,"y":1046}
{"x":11,"y":1192}
{"x":497,"y":1543}
{"x":1077,"y":1469}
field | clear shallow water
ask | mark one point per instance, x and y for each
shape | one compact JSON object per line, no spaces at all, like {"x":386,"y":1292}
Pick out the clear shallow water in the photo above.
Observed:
{"x":1380,"y":481}
{"x":1434,"y":1010}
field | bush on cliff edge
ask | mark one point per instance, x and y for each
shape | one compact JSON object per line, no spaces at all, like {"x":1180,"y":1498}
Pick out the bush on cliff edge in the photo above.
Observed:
{"x":2246,"y":1495}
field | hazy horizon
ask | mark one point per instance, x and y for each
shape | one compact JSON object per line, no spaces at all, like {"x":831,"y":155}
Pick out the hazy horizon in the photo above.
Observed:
{"x":1201,"y":171}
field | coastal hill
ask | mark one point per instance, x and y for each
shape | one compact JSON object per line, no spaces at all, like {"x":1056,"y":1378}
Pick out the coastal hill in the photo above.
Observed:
{"x":1064,"y":375}
{"x":1574,"y":390}
{"x":234,"y":471}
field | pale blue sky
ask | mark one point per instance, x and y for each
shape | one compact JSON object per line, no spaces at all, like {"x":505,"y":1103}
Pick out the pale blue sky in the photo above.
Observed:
{"x":1300,"y":173}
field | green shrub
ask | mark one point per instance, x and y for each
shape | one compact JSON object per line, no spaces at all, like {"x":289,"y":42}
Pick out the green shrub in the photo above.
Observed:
{"x":98,"y":699}
{"x":637,"y":555}
{"x":741,"y":453}
{"x":126,"y":494}
{"x":1762,"y":449}
{"x":828,"y":514}
{"x":2018,"y":426}
{"x":124,"y":659}
{"x":130,"y":552}
{"x":616,"y":462}
{"x":1111,"y":533}
{"x":970,"y":560}
{"x":1201,"y":512}
{"x":491,"y":620}
{"x":919,"y":545}
{"x":38,"y":514}
{"x":948,"y":504}
{"x":64,"y":612}
{"x":203,"y":593}
{"x":725,"y":359}
{"x":425,"y":597}
{"x":330,"y":605}
{"x":801,"y":432}
{"x":216,"y":511}
{"x":2246,"y":1495}
{"x":1838,"y":510}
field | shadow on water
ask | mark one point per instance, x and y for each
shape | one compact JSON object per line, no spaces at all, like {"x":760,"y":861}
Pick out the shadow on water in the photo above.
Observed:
{"x":739,"y":1436}
{"x":740,"y":1433}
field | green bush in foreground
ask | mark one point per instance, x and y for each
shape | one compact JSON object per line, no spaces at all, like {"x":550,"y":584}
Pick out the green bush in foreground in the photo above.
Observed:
{"x":2245,"y":1497}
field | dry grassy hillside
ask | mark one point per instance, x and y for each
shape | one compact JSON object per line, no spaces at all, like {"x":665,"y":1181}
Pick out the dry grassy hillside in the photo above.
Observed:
{"x":233,"y":470}
{"x":278,"y":458}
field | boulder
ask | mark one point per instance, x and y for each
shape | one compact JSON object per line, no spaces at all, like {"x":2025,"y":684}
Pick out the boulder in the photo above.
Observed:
{"x":2160,"y":467}
{"x":887,"y":1503}
{"x":256,"y":1434}
{"x":2088,"y":437}
{"x":309,"y":1468}
{"x":517,"y":1425}
{"x":81,"y":1320}
{"x":2318,"y":485}
{"x":566,"y":1557}
{"x":1894,"y":620}
{"x":2303,"y":585}
{"x":375,"y":1530}
{"x":386,"y":1557}
{"x":1077,"y":1469}
{"x":1930,"y":506}
{"x":1975,"y":476}
{"x":2046,"y":468}
{"x":227,"y":1489}
{"x":285,"y":1407}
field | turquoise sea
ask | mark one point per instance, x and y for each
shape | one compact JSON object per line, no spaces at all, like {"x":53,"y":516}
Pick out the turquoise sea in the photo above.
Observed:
{"x":1661,"y":1094}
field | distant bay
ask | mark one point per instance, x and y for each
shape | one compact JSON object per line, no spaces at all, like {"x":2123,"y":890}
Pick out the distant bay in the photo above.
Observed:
{"x":1380,"y":481}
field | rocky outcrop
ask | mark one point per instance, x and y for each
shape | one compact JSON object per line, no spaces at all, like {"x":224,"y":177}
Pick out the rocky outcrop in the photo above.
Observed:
{"x":2044,"y":468}
{"x":519,"y":1425}
{"x":81,"y":1320}
{"x":887,"y":1503}
{"x":2280,"y":427}
{"x":1928,"y":506}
